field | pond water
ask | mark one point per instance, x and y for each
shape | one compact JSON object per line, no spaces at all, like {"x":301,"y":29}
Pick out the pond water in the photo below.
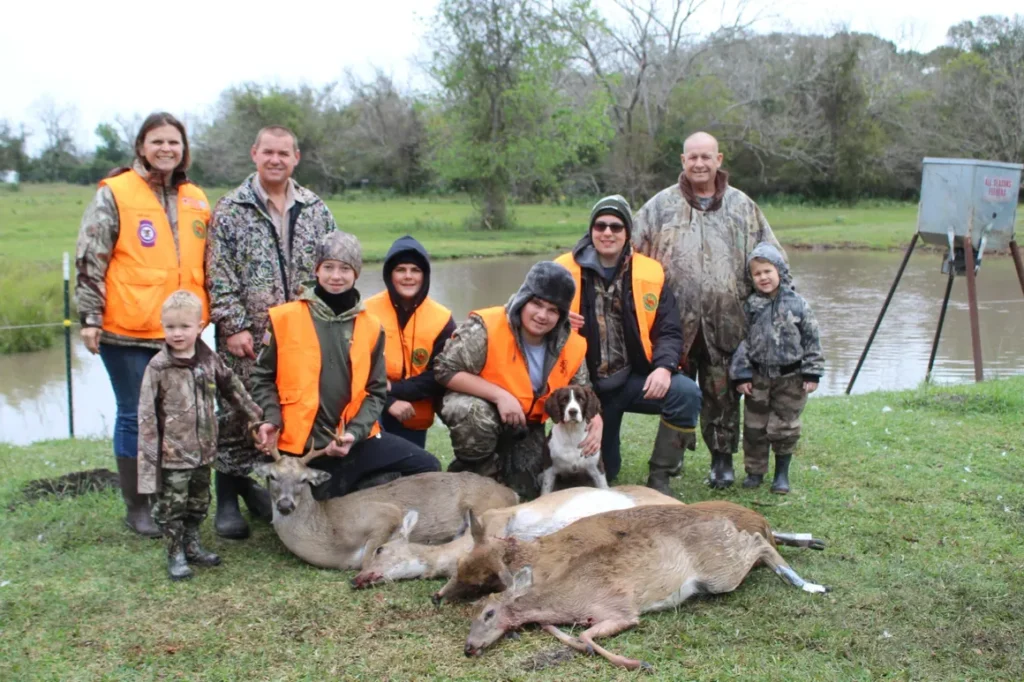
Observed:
{"x":845,"y":288}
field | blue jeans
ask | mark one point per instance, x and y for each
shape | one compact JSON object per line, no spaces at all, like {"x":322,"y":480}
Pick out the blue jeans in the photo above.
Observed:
{"x":393,"y":426}
{"x":125,"y":367}
{"x":680,"y":407}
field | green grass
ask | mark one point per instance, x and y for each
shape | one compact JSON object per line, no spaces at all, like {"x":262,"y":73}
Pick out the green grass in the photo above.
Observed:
{"x":923,"y":556}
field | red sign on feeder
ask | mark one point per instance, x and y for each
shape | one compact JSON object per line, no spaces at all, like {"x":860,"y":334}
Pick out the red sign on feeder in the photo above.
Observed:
{"x":998,"y":189}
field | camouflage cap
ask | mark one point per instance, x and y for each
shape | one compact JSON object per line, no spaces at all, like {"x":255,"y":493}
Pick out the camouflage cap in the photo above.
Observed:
{"x":340,"y":246}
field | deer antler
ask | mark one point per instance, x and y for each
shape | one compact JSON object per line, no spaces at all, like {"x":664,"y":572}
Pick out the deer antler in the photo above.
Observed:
{"x":254,"y":432}
{"x":335,"y":438}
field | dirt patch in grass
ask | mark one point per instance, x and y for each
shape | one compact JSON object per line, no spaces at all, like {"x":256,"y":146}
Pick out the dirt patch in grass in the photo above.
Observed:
{"x":71,"y":485}
{"x":548,"y":659}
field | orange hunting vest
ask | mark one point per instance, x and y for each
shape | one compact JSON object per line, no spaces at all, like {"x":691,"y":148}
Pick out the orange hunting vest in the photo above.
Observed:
{"x":298,"y":370}
{"x":407,"y":351}
{"x":144,"y":267}
{"x":506,"y":366}
{"x":648,"y":280}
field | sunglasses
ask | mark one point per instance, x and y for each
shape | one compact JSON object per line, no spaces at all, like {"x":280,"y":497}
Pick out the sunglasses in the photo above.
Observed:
{"x":601,"y":226}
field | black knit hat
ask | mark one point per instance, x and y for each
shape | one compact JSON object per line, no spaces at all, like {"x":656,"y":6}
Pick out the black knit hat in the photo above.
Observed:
{"x":615,"y":205}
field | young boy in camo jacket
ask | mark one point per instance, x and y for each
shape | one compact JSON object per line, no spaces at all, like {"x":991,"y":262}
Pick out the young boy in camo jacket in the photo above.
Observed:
{"x":178,"y":430}
{"x":775,"y":367}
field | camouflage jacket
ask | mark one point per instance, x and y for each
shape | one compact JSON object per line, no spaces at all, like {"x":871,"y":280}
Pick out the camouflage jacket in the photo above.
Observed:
{"x":177,"y":416}
{"x":704,"y":254}
{"x":334,"y":333}
{"x":247,"y":271}
{"x":96,"y":239}
{"x":466,"y":350}
{"x":782,"y":336}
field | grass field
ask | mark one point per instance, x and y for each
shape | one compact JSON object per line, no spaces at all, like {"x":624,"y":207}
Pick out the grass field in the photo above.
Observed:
{"x":40,"y":222}
{"x":920,"y":504}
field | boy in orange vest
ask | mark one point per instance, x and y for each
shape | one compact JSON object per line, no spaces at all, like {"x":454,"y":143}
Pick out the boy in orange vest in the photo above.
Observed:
{"x":499,"y":367}
{"x":321,"y":367}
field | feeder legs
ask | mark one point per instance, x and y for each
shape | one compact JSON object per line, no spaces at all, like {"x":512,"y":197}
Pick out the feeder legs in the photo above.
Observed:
{"x":972,"y":304}
{"x":885,"y":306}
{"x":1017,"y":263}
{"x":942,"y":318}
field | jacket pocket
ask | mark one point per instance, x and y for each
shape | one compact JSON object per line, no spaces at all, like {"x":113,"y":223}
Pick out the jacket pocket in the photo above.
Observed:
{"x":289,"y":396}
{"x":140,"y":293}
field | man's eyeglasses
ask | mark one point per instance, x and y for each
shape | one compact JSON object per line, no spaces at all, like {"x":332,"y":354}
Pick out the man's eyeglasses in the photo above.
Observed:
{"x":601,"y":226}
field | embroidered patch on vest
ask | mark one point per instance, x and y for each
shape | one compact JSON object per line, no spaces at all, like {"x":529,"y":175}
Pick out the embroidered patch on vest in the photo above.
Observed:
{"x":650,"y":302}
{"x":147,"y":233}
{"x":199,"y":229}
{"x":420,"y":356}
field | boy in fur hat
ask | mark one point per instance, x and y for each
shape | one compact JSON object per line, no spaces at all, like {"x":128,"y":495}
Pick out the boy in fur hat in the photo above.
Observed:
{"x":322,"y":369}
{"x":499,"y":368}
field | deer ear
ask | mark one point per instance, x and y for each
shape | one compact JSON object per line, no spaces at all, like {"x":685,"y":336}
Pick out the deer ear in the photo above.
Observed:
{"x":262,"y":470}
{"x":553,"y":408}
{"x":522,"y":580}
{"x":476,"y":528}
{"x":408,"y":523}
{"x":318,"y":477}
{"x":591,"y":404}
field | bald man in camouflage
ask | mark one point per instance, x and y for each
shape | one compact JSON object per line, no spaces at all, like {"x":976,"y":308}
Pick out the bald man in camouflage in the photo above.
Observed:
{"x":701,"y":230}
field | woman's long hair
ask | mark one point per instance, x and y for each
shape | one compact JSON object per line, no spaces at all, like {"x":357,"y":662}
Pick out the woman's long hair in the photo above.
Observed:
{"x":155,"y":120}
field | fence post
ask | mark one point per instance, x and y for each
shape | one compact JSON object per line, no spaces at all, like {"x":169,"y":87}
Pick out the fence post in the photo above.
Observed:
{"x":67,"y":343}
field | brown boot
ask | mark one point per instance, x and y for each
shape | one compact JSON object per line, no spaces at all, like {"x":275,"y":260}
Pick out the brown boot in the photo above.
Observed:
{"x":138,"y":516}
{"x":667,"y":457}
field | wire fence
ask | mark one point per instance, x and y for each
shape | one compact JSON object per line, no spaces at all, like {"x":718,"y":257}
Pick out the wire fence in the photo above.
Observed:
{"x":67,"y":324}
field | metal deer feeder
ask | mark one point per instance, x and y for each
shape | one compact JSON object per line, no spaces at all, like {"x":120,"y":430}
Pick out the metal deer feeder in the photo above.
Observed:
{"x":968,"y":207}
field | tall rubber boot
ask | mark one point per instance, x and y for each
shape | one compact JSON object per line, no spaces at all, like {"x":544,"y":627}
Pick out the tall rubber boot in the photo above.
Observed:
{"x":667,"y":457}
{"x":722,"y":475}
{"x":177,"y":565}
{"x":228,"y":521}
{"x":780,"y":484}
{"x":194,"y":552}
{"x":138,"y":516}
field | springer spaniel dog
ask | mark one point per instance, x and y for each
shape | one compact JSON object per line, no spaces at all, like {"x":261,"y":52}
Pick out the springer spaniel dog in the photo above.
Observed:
{"x":571,"y":409}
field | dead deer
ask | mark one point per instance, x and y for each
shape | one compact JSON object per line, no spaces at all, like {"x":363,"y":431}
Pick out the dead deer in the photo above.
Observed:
{"x":604,"y":571}
{"x":401,"y":559}
{"x":340,"y":532}
{"x":483,"y":569}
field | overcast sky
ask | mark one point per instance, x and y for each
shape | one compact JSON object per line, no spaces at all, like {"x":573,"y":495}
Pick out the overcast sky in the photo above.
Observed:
{"x":127,"y":58}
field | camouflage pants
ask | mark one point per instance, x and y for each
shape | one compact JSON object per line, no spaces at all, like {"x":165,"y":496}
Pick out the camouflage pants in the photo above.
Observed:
{"x":771,"y":418}
{"x":720,"y":406}
{"x":184,"y":496}
{"x":236,"y":455}
{"x":484,"y":445}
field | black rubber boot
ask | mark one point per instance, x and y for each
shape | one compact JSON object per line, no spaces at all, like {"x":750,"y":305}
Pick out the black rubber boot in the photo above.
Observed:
{"x":667,"y":457}
{"x":257,"y":499}
{"x":177,"y":566}
{"x":780,"y":484}
{"x":753,"y":480}
{"x":721,"y":475}
{"x":379,"y":479}
{"x":228,"y":521}
{"x":138,"y":516}
{"x":194,"y":552}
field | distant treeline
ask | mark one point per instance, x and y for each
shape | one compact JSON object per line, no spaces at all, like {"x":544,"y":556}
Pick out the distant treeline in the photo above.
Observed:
{"x":535,"y":103}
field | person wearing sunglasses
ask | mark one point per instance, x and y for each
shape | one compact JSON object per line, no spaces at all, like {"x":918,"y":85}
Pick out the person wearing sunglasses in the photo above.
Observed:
{"x":629,"y":318}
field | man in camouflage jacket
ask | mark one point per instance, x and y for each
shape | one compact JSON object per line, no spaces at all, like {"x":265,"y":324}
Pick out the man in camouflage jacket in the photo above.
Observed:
{"x":701,"y":230}
{"x":257,"y":256}
{"x":776,"y":366}
{"x":481,"y":442}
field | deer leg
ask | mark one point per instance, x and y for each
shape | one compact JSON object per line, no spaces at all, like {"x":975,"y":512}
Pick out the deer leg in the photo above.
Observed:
{"x":805,"y":540}
{"x":774,"y":560}
{"x":565,"y":639}
{"x":548,"y":483}
{"x":607,"y":628}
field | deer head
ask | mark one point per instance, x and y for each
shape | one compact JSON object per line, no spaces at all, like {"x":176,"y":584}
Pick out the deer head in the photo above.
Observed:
{"x":496,"y":617}
{"x":480,"y":572}
{"x":289,"y":477}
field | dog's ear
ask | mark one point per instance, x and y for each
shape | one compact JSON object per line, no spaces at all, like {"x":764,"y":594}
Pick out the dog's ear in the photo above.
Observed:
{"x":591,"y":404}
{"x":553,"y":406}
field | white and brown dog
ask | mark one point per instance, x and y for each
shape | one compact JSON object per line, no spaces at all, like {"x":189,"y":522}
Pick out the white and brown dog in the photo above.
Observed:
{"x":571,"y":409}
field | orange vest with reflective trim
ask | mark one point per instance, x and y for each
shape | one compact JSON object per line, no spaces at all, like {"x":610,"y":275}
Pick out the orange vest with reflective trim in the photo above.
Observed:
{"x":144,"y":267}
{"x":648,"y":280}
{"x":407,"y":351}
{"x":506,"y":366}
{"x":298,"y":371}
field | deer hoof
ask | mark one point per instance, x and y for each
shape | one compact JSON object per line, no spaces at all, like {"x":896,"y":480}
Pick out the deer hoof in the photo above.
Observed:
{"x":646,"y":667}
{"x":436,"y":599}
{"x":513,"y":635}
{"x":589,"y":651}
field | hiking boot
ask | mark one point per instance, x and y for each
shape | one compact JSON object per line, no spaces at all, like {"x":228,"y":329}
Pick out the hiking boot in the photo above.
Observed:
{"x":138,"y":516}
{"x":257,"y":499}
{"x":194,"y":552}
{"x":721,"y":475}
{"x":228,"y":521}
{"x":753,"y":480}
{"x":780,"y":484}
{"x":177,"y":566}
{"x":667,"y":456}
